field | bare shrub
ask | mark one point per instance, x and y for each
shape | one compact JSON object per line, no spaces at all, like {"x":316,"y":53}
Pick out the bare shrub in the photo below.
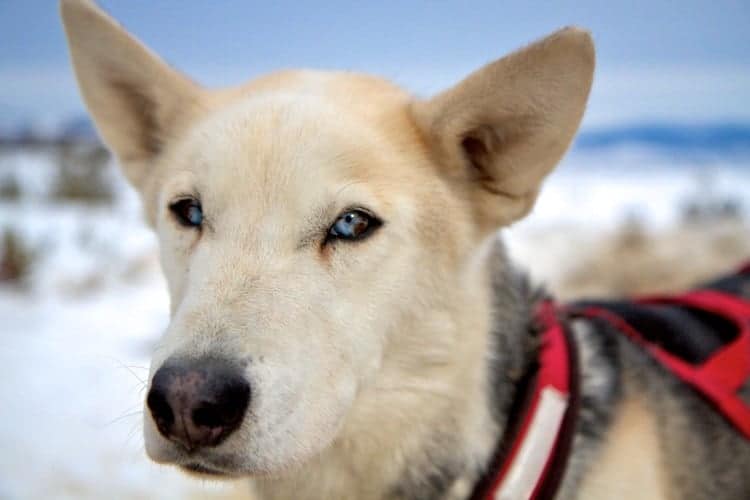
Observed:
{"x":707,"y":204}
{"x":700,"y":211}
{"x":10,"y":189}
{"x":84,"y":175}
{"x":16,"y":259}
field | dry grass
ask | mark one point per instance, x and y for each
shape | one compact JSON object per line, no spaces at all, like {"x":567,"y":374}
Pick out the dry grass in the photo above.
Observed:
{"x":635,"y":261}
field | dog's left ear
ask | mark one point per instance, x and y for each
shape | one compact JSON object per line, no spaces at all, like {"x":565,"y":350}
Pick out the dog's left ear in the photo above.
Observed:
{"x":139,"y":104}
{"x":502,"y":130}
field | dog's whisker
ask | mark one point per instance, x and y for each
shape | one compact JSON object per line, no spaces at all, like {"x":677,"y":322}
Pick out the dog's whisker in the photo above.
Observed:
{"x":130,"y":368}
{"x":121,"y":417}
{"x":138,"y":367}
{"x":133,"y":430}
{"x":133,"y":407}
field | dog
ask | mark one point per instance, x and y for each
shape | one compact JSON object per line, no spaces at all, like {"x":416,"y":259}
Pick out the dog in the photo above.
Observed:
{"x":345,"y":323}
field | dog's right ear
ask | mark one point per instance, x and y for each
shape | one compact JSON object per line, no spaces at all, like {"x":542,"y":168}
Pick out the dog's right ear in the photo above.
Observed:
{"x":138,"y":102}
{"x":501,"y":130}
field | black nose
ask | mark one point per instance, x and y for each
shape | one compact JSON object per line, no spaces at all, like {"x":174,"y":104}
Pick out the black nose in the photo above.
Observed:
{"x":198,"y":403}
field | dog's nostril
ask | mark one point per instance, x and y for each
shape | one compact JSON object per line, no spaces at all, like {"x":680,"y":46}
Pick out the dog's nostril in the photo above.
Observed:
{"x":208,"y":416}
{"x":160,"y":409}
{"x":227,"y":412}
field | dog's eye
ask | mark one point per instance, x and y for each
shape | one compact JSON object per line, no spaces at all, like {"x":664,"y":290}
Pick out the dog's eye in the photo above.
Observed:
{"x":188,"y":212}
{"x":353,"y":225}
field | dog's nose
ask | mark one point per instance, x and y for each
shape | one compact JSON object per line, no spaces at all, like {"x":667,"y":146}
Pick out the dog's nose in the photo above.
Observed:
{"x":198,"y":403}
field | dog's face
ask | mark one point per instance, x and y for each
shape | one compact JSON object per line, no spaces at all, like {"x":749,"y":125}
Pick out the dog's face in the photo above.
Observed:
{"x":315,"y":228}
{"x":319,"y":233}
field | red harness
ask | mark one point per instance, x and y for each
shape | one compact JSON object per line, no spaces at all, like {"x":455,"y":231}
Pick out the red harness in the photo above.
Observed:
{"x":536,"y":449}
{"x":535,"y":452}
{"x":719,"y":377}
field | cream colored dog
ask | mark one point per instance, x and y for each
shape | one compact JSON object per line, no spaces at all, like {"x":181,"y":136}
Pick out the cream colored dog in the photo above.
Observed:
{"x":328,"y":240}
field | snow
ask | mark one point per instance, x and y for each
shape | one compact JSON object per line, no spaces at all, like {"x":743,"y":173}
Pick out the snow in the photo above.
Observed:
{"x":75,"y":345}
{"x":604,"y":188}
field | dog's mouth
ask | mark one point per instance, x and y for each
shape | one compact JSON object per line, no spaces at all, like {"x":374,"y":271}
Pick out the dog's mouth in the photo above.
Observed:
{"x":196,"y":468}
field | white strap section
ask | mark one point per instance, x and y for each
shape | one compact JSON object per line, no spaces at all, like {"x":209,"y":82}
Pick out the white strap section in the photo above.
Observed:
{"x":528,"y":466}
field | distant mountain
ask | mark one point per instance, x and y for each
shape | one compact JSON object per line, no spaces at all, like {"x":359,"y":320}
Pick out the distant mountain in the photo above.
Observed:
{"x":718,"y":137}
{"x":78,"y":129}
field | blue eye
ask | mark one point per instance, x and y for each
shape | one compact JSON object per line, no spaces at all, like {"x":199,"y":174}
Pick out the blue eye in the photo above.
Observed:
{"x":188,"y":212}
{"x":353,"y":225}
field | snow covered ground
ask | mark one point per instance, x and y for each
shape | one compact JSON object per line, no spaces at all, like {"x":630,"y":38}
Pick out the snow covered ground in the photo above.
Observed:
{"x":75,"y":340}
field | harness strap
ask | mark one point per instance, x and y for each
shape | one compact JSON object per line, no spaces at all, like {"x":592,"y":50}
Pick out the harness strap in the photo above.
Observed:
{"x":530,"y":459}
{"x":536,"y":450}
{"x":721,"y":375}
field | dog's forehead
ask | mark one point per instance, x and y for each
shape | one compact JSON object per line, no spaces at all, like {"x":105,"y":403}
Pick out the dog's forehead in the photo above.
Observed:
{"x":295,"y":138}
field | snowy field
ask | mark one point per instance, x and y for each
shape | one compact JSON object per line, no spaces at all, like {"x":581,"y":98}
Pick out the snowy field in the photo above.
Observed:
{"x":77,"y":328}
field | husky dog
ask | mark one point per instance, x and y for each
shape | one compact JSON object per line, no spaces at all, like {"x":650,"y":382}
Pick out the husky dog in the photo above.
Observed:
{"x":344,"y":321}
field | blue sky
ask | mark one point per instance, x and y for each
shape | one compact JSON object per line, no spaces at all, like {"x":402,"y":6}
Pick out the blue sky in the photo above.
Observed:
{"x":658,"y":60}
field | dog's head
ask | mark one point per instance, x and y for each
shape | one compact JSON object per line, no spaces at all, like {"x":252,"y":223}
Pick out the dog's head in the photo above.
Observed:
{"x":319,"y":233}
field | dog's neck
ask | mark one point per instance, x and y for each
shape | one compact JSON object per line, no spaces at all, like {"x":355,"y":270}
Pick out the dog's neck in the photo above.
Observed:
{"x":431,"y":446}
